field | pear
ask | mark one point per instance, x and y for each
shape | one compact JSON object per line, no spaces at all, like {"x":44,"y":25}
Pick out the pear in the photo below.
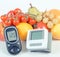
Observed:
{"x":38,"y":18}
{"x":33,"y":10}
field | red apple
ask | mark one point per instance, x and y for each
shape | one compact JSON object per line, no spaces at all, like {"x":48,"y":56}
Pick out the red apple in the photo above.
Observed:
{"x":41,"y":25}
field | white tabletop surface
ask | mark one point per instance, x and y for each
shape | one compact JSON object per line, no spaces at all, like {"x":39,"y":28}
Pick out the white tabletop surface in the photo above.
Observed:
{"x":55,"y":51}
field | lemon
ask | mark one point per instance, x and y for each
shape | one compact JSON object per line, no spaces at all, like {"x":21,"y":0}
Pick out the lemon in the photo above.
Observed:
{"x":56,"y":32}
{"x":23,"y":29}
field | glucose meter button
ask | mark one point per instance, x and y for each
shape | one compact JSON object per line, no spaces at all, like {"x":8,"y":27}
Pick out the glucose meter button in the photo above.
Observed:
{"x":12,"y":50}
{"x":8,"y":45}
{"x":18,"y":43}
{"x":17,"y":49}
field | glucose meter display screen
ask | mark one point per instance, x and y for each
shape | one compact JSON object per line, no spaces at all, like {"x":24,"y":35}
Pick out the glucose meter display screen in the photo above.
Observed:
{"x":11,"y":35}
{"x":36,"y":35}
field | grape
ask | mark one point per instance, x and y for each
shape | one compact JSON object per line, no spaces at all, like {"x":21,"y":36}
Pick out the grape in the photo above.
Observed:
{"x":47,"y":14}
{"x":51,"y":16}
{"x":45,"y":20}
{"x":50,"y":24}
{"x":44,"y":15}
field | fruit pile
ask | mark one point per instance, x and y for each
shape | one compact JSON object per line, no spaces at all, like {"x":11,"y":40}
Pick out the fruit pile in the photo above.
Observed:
{"x":33,"y":19}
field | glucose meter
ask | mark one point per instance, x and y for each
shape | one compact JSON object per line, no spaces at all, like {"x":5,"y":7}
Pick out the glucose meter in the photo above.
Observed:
{"x":12,"y":40}
{"x":39,"y":40}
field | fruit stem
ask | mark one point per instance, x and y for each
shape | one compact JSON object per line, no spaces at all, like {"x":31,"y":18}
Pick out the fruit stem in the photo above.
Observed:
{"x":31,"y":5}
{"x":43,"y":13}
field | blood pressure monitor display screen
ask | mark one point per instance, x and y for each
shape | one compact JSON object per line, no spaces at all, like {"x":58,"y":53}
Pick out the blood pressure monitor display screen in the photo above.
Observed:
{"x":36,"y":35}
{"x":11,"y":35}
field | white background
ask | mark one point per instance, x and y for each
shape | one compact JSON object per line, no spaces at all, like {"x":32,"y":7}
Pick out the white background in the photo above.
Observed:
{"x":6,"y":5}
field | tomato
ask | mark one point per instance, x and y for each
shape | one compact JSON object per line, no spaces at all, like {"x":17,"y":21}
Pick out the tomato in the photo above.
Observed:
{"x":19,"y":15}
{"x":27,"y":17}
{"x":11,"y":19}
{"x":17,"y":10}
{"x":32,"y":21}
{"x":3,"y":17}
{"x":8,"y":22}
{"x":10,"y":13}
{"x":16,"y":21}
{"x":23,"y":19}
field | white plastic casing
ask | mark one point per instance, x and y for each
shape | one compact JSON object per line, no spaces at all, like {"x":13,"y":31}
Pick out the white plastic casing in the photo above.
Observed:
{"x":37,"y":44}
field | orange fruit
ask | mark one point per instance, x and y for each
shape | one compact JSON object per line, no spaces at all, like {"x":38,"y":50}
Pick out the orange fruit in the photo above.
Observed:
{"x":56,"y":12}
{"x":56,"y":32}
{"x":23,"y":29}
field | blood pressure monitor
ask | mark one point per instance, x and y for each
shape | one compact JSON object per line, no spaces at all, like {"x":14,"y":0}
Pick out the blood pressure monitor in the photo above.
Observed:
{"x":12,"y":40}
{"x":39,"y":40}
